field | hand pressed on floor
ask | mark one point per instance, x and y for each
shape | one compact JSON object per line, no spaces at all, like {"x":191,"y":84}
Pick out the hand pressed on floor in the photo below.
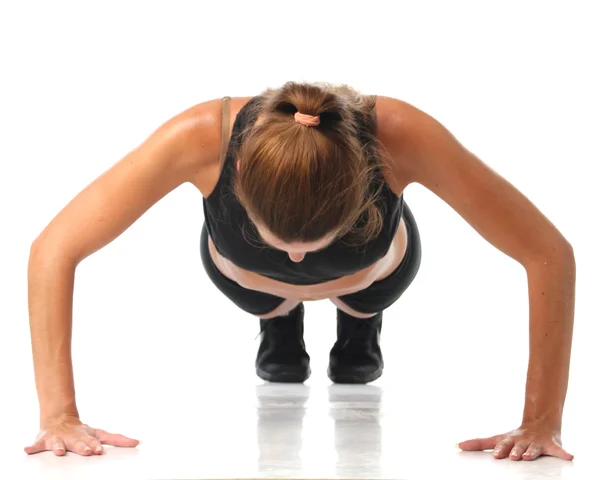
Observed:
{"x":69,"y":434}
{"x":526,"y":443}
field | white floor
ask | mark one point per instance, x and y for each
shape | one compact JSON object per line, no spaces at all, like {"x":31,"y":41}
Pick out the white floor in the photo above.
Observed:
{"x":295,"y":431}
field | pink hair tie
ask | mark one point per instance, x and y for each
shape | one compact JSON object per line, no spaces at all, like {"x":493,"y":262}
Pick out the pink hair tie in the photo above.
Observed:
{"x":308,"y":120}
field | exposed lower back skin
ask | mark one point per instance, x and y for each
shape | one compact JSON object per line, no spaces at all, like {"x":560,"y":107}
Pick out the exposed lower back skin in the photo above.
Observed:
{"x":335,"y":288}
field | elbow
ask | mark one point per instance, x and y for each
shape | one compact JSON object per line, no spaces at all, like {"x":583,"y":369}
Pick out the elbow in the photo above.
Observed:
{"x":562,"y":254}
{"x":559,"y":254}
{"x":41,"y":241}
{"x":45,"y":252}
{"x":566,"y":251}
{"x":557,"y":250}
{"x":38,"y":246}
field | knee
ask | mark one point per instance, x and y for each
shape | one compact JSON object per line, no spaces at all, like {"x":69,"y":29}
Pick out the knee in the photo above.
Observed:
{"x":350,"y":311}
{"x":285,"y":307}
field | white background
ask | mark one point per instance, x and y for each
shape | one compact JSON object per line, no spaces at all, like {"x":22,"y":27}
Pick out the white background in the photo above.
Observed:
{"x":155,"y":343}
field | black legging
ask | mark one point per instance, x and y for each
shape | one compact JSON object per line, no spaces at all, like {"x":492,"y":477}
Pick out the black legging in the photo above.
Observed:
{"x":375,"y":298}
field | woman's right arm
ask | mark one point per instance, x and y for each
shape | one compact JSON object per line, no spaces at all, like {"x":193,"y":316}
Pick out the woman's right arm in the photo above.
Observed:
{"x":182,"y":150}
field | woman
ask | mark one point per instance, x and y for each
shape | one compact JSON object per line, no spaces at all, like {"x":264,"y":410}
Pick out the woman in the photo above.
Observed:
{"x":305,"y":202}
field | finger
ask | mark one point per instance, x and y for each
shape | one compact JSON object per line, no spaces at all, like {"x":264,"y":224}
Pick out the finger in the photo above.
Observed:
{"x":504,"y":447}
{"x":533,"y":452}
{"x":37,"y":447}
{"x":114,"y":439}
{"x":90,"y":442}
{"x":479,"y":444}
{"x":94,"y":444}
{"x":77,"y":445}
{"x":554,"y":450}
{"x":518,"y":450}
{"x":58,"y":447}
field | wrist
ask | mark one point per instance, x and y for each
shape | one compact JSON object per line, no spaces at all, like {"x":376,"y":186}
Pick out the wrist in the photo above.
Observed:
{"x":553,"y":419}
{"x":54,"y":414}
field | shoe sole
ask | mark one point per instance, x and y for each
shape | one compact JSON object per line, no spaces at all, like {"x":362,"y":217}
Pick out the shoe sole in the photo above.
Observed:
{"x":354,"y":378}
{"x":283,"y":377}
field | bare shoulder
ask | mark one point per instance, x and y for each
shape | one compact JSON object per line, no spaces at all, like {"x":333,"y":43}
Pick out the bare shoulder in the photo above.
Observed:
{"x":185,"y":148}
{"x":195,"y":140}
{"x":423,"y":151}
{"x":203,"y":124}
{"x":396,"y":122}
{"x":414,"y":143}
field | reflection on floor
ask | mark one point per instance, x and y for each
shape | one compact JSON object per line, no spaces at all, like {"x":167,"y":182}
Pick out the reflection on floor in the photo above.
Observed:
{"x":316,"y":431}
{"x":357,"y":430}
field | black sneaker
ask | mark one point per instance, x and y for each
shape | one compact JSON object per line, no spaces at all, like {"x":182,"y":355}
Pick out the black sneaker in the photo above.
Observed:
{"x":356,"y":356}
{"x":282,"y":353}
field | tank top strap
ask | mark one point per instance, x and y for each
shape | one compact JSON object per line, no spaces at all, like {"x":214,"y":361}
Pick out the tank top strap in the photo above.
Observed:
{"x":224,"y":130}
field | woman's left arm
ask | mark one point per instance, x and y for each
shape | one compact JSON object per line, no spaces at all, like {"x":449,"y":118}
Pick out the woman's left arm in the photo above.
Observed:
{"x":423,"y":151}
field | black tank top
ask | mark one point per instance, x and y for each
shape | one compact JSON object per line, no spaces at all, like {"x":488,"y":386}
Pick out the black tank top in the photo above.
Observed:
{"x":236,"y":239}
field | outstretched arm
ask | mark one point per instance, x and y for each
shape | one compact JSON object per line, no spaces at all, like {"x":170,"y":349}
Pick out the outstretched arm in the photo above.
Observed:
{"x":182,"y":149}
{"x":424,"y":152}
